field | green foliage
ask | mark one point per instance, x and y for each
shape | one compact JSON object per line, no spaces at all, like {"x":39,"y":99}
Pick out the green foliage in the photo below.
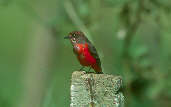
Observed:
{"x":4,"y":2}
{"x":132,"y":37}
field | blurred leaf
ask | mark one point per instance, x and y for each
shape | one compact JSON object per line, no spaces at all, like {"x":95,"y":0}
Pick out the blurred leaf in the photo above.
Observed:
{"x":5,"y":2}
{"x":138,"y":51}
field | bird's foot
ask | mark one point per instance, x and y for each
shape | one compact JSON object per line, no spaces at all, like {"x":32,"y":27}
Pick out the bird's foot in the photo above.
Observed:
{"x":88,"y":72}
{"x":82,"y":68}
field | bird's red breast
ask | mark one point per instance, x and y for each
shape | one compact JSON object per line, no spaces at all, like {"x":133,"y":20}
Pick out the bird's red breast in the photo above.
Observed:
{"x":84,"y":56}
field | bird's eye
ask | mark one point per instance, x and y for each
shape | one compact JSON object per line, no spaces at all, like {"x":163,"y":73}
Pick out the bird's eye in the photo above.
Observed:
{"x":74,"y":35}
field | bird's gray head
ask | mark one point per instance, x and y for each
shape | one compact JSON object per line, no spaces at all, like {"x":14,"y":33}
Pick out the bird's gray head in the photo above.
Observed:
{"x":76,"y":37}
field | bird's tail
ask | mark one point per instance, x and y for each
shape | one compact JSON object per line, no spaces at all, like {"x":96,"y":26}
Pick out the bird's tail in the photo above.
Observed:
{"x":98,"y":69}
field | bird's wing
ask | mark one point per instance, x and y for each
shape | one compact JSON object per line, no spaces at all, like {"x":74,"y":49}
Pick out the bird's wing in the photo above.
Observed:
{"x":94,"y":53}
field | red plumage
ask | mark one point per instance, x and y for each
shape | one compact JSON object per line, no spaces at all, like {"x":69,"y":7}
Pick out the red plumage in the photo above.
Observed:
{"x":85,"y":51}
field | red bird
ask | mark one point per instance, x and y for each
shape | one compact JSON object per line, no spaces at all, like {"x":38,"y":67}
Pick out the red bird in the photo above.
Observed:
{"x":86,"y":53}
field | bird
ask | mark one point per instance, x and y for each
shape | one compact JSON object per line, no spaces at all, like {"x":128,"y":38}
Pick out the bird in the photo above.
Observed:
{"x":85,"y":51}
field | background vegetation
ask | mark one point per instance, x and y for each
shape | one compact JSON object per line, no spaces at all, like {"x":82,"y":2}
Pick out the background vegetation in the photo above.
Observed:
{"x":131,"y":36}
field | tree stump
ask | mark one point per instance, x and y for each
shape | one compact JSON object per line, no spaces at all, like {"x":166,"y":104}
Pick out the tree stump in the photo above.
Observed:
{"x":96,"y":90}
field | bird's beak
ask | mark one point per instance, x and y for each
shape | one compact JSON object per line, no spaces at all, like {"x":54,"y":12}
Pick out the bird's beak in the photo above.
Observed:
{"x":66,"y":37}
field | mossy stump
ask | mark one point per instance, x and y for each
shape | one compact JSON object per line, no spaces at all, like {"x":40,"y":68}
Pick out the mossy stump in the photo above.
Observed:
{"x":96,"y":90}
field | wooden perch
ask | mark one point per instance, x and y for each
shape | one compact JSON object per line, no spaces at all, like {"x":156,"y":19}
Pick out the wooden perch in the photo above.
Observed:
{"x":96,"y":90}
